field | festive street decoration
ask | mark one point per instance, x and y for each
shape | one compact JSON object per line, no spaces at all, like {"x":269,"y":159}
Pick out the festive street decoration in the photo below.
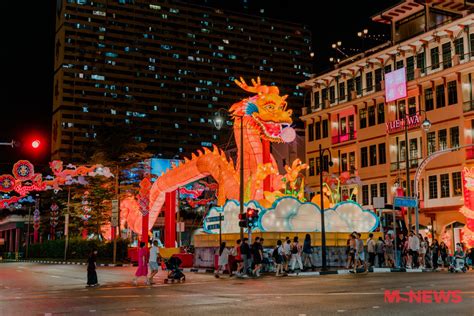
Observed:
{"x":144,"y":196}
{"x":23,"y":170}
{"x":25,"y":180}
{"x":7,"y":182}
{"x":36,"y":222}
{"x":54,"y":217}
{"x":468,"y":209}
{"x":86,"y":209}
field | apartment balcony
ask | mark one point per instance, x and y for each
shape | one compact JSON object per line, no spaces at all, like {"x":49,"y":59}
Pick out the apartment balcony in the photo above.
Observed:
{"x":344,"y":137}
{"x":470,"y":153}
{"x":401,"y":165}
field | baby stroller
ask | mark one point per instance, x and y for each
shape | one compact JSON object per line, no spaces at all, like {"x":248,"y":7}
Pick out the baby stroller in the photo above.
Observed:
{"x":457,"y":265}
{"x":174,"y":272}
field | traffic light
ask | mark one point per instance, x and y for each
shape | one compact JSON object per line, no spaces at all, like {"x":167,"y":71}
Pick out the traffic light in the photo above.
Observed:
{"x":35,"y":144}
{"x":252,"y":217}
{"x":243,"y":220}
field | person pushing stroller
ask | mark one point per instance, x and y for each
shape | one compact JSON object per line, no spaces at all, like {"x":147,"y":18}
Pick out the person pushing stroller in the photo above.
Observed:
{"x":174,"y":272}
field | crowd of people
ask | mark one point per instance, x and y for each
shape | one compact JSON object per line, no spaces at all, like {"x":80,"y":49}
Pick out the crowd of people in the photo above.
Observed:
{"x":251,"y":259}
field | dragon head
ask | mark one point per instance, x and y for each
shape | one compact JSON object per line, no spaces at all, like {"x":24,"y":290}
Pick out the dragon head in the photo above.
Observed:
{"x":266,"y":111}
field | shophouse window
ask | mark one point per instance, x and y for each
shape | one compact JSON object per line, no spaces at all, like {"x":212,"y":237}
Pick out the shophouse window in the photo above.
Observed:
{"x":459,"y":47}
{"x":373,"y":155}
{"x":318,"y":165}
{"x":310,"y":132}
{"x":434,"y":58}
{"x":429,"y":102}
{"x":326,"y":163}
{"x":410,"y":68}
{"x":342,"y":91}
{"x":412,"y":106}
{"x":358,"y":83}
{"x":433,"y":187}
{"x":444,"y":179}
{"x":378,"y":79}
{"x":317,"y":102}
{"x":431,"y":139}
{"x":363,"y":118}
{"x":454,"y":136}
{"x":401,"y":109}
{"x":343,"y":126}
{"x":383,"y":191}
{"x":344,"y":162}
{"x":352,"y":161}
{"x":399,"y":64}
{"x":364,"y":159}
{"x":324,"y":95}
{"x":318,"y":130}
{"x":311,"y":166}
{"x":325,"y":128}
{"x":373,"y":192}
{"x":332,"y":94}
{"x":351,"y":125}
{"x":350,"y":88}
{"x":365,"y":195}
{"x":421,"y":62}
{"x":369,"y":81}
{"x":471,"y":39}
{"x":372,"y":115}
{"x":447,"y":55}
{"x":442,"y":139}
{"x":382,"y":154}
{"x":387,"y":69}
{"x":380,"y":113}
{"x":440,"y":101}
{"x":452,"y":93}
{"x":457,"y":188}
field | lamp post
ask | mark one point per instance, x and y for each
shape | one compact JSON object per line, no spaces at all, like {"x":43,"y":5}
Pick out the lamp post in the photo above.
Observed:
{"x":218,"y":123}
{"x":323,"y":228}
{"x":425,"y":125}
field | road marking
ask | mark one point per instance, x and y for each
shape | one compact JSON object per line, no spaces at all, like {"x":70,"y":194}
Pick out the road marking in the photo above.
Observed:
{"x":341,"y":310}
{"x":55,"y":276}
{"x":375,"y":307}
{"x":301,"y":314}
{"x":92,"y":311}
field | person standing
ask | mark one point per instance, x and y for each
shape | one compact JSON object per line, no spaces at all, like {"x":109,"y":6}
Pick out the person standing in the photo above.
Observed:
{"x":142,"y":269}
{"x":435,"y":253}
{"x":246,"y":256}
{"x":295,"y":255}
{"x":360,"y":255}
{"x":399,"y":250}
{"x":154,"y":254}
{"x":278,"y":257}
{"x":257,"y":256}
{"x":223,"y":259}
{"x":428,"y":261}
{"x":350,"y":251}
{"x":380,"y":249}
{"x":443,"y":252}
{"x":91,"y":269}
{"x":307,"y":252}
{"x":389,"y":262}
{"x":413,"y":250}
{"x":287,"y":253}
{"x":371,"y":249}
{"x":422,"y":252}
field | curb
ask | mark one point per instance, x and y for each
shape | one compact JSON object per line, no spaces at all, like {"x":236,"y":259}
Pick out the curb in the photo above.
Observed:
{"x":371,"y":270}
{"x":71,"y":263}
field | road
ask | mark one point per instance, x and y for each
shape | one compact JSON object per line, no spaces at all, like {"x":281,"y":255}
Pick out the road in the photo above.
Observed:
{"x":35,"y":289}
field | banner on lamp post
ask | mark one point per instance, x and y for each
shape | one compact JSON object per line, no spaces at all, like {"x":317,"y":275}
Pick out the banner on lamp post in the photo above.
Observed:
{"x":66,"y":224}
{"x":115,"y":217}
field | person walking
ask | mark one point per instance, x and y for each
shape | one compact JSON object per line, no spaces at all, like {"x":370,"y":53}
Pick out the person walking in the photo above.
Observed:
{"x":350,"y":251}
{"x":154,"y":254}
{"x":278,"y":258}
{"x":257,"y":256}
{"x":435,"y":254}
{"x":223,"y":259}
{"x":360,"y":255}
{"x":413,"y":250}
{"x":246,"y":256}
{"x":380,"y":250}
{"x":295,"y":255}
{"x":91,"y":269}
{"x":399,"y":250}
{"x":142,"y":269}
{"x":428,"y":261}
{"x":237,"y":252}
{"x":371,"y":249}
{"x":308,"y":252}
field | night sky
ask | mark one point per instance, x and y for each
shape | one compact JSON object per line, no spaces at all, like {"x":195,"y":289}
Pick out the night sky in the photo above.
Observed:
{"x":28,"y":57}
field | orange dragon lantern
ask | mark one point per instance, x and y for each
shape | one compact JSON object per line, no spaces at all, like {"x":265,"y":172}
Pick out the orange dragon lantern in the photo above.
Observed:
{"x":264,"y":115}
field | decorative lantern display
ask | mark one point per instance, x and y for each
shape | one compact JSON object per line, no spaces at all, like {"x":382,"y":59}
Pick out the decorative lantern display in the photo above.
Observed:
{"x":86,"y":209}
{"x":54,"y":217}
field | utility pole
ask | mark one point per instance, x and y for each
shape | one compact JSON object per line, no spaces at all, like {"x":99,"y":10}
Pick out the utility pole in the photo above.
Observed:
{"x":66,"y":223}
{"x":28,"y":233}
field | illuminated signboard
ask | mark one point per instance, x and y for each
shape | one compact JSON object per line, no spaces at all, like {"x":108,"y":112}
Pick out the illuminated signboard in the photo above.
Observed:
{"x":412,"y":120}
{"x":395,"y":85}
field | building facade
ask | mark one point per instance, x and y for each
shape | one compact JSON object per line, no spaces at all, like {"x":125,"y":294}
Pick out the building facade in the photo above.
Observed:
{"x":348,"y":112}
{"x":164,"y":67}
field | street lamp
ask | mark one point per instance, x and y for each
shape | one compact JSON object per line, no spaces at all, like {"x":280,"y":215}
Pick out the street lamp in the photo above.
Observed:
{"x":13,"y":143}
{"x":425,"y":125}
{"x":218,"y":123}
{"x":323,"y":228}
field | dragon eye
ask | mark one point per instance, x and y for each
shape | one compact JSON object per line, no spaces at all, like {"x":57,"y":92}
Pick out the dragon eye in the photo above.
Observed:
{"x":269,"y":107}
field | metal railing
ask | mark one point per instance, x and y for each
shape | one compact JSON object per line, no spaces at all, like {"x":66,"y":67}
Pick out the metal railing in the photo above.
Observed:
{"x":344,"y":137}
{"x":400,"y":165}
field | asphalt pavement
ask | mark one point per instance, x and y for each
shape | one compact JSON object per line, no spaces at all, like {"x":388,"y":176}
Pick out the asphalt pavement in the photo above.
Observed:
{"x":36,"y":289}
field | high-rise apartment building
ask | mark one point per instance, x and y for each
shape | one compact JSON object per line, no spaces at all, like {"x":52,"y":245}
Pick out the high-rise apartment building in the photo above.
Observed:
{"x":164,"y":67}
{"x":349,"y":114}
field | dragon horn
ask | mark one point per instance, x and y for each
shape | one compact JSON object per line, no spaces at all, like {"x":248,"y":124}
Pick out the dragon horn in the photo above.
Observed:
{"x":206,"y":150}
{"x":284,"y":97}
